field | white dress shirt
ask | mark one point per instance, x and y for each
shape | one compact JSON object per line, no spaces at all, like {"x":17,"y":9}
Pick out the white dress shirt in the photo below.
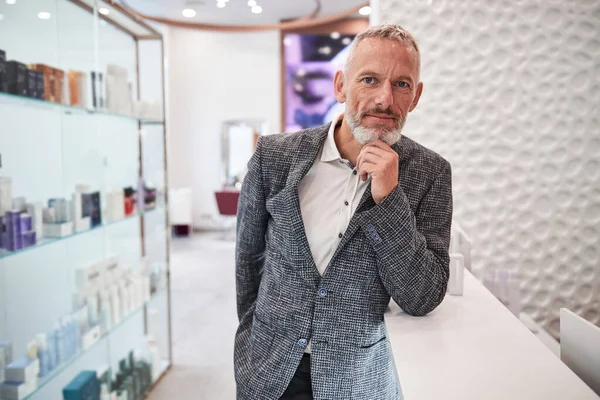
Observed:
{"x":329,"y":195}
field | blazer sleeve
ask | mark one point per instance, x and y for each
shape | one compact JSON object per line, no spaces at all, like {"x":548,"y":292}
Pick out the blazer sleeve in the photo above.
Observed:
{"x":252,"y":219}
{"x":412,"y":248}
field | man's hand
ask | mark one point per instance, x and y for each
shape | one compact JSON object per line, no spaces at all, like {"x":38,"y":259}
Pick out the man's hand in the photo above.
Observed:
{"x":380,"y":161}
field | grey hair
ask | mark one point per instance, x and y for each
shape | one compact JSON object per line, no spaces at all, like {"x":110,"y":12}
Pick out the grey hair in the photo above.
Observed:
{"x":386,"y":31}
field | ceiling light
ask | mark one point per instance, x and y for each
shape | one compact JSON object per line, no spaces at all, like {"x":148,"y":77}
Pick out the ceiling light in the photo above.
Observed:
{"x":252,"y":3}
{"x":287,"y":41}
{"x":220,"y":4}
{"x":257,"y":9}
{"x":301,"y":72}
{"x":44,"y":15}
{"x":325,"y":50}
{"x":335,"y":35}
{"x":188,"y":13}
{"x":11,"y":1}
{"x":346,"y":41}
{"x":366,"y":10}
{"x":104,"y":11}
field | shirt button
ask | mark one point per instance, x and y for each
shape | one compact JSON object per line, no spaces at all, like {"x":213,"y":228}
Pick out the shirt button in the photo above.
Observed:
{"x":302,"y":342}
{"x":346,"y":203}
{"x":355,"y":172}
{"x":340,"y":236}
{"x":322,"y":292}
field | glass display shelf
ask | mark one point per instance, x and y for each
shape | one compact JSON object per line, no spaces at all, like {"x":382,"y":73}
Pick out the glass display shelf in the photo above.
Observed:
{"x":44,"y":242}
{"x":62,"y":367}
{"x":68,"y":109}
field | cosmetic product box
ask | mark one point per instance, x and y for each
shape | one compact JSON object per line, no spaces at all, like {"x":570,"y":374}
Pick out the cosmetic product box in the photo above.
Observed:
{"x":91,"y":207}
{"x":36,"y":212}
{"x":12,"y":223}
{"x":5,"y":194}
{"x":16,"y":73}
{"x":59,"y":85}
{"x":22,"y":370}
{"x":15,"y":390}
{"x":74,"y":89}
{"x":48,"y":78}
{"x":32,"y":83}
{"x":57,"y":230}
{"x":3,"y":77}
{"x":63,"y":209}
{"x":6,"y":352}
{"x":85,"y":386}
{"x":90,"y":338}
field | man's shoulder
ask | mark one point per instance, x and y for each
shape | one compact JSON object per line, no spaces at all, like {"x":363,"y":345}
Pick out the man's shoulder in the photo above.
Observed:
{"x":287,"y":142}
{"x":417,"y":153}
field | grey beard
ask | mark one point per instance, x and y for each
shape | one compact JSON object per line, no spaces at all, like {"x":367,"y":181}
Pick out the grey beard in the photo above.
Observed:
{"x":365,"y":135}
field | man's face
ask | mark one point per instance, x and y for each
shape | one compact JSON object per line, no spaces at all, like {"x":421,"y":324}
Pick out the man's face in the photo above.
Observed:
{"x":380,"y":89}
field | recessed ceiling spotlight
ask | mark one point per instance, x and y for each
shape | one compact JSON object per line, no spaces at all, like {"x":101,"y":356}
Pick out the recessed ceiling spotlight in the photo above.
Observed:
{"x":287,"y":41}
{"x":104,"y":11}
{"x":301,"y":72}
{"x":11,"y":1}
{"x":325,"y":50}
{"x":44,"y":15}
{"x":366,"y":10}
{"x":188,"y":13}
{"x":257,"y":9}
{"x":335,"y":35}
{"x":346,"y":41}
{"x":252,"y":3}
{"x":220,"y":4}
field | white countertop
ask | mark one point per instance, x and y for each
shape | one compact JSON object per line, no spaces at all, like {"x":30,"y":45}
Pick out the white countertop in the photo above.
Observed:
{"x":472,"y":347}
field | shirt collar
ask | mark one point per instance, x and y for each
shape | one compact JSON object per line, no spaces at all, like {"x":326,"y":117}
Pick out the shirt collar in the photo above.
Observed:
{"x":330,"y":150}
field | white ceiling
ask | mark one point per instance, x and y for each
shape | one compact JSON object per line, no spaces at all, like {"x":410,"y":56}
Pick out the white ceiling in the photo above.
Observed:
{"x":237,"y":11}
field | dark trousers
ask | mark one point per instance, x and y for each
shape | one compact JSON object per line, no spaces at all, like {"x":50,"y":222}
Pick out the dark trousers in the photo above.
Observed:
{"x":300,"y":388}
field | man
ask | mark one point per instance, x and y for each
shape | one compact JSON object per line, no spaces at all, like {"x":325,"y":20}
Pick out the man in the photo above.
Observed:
{"x":332,"y":221}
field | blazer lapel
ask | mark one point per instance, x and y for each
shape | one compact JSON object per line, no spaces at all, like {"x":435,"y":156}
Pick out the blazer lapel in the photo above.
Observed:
{"x":302,"y":161}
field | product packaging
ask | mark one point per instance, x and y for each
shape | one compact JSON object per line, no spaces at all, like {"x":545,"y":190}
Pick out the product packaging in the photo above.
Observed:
{"x":17,"y":78}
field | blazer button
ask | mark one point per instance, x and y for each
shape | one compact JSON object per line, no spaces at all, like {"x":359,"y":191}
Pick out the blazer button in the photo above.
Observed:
{"x":322,"y":292}
{"x":302,"y":342}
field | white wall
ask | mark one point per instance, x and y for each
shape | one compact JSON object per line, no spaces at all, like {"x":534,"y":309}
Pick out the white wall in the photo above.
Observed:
{"x":511,"y":98}
{"x":214,"y":77}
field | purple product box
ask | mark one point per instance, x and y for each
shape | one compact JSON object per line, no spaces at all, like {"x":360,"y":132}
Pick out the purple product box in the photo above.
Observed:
{"x":26,"y":223}
{"x":29,"y":239}
{"x":12,"y":219}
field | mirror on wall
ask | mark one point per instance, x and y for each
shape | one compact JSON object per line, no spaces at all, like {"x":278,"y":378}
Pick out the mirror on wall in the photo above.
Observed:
{"x":238,"y":141}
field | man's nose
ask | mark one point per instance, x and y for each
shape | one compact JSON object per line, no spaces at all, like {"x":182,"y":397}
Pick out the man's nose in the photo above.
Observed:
{"x":385,"y":97}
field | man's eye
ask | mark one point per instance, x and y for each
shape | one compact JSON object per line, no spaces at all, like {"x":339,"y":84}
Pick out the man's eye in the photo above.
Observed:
{"x":402,"y":84}
{"x":368,"y":80}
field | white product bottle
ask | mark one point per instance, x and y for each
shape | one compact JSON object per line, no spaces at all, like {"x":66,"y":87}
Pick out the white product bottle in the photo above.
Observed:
{"x":105,"y":310}
{"x":115,"y":300}
{"x":457,"y":275}
{"x":104,"y":394}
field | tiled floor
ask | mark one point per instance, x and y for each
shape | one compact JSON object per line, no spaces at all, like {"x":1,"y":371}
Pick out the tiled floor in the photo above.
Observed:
{"x":203,"y":320}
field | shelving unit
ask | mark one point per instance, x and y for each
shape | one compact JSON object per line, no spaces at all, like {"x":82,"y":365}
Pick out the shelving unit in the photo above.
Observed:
{"x":48,"y":148}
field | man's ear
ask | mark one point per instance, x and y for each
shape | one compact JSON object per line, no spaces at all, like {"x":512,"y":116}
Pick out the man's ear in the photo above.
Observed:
{"x":338,"y":87}
{"x":417,"y":97}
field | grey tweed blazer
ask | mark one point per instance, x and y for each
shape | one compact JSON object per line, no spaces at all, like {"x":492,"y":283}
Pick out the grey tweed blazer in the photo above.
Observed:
{"x":398,"y":248}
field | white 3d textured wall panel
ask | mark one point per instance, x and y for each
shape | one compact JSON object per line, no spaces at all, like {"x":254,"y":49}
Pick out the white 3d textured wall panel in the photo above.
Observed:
{"x":512,"y":100}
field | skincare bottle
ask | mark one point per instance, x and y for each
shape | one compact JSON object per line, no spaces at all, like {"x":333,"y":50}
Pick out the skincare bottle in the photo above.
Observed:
{"x":52,"y":348}
{"x":115,"y":304}
{"x":456,"y":280}
{"x":104,"y":394}
{"x":105,"y":310}
{"x":92,"y":303}
{"x":43,"y":354}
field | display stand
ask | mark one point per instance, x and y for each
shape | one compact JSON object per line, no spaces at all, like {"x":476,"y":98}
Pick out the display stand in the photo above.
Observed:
{"x":85,"y":238}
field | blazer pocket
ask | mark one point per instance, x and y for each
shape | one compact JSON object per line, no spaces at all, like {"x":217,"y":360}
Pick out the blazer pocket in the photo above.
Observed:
{"x":371,"y":345}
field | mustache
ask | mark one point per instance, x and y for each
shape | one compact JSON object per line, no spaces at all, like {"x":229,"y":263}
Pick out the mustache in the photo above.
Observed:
{"x":380,"y":111}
